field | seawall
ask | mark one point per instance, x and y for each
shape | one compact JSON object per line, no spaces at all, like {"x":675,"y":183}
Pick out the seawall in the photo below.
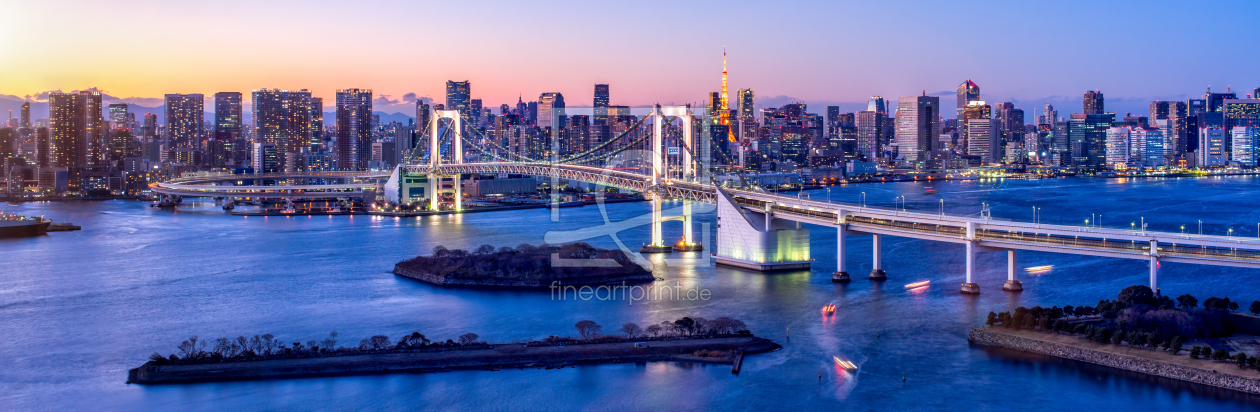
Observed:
{"x":1061,"y":346}
{"x":509,"y":283}
{"x":499,"y":356}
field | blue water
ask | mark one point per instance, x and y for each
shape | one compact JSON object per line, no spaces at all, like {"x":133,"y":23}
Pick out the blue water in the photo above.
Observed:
{"x":78,"y":309}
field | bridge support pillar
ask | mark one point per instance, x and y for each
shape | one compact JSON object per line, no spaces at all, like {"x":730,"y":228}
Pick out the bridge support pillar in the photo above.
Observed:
{"x":840,"y":275}
{"x":970,"y":287}
{"x":459,"y":193}
{"x":688,"y":243}
{"x":877,"y":271}
{"x":1011,"y":284}
{"x":1154,"y":274}
{"x":658,"y":241}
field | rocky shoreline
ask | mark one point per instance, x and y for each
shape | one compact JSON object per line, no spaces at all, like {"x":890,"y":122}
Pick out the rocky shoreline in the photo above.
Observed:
{"x":439,"y":280}
{"x":498,"y":356}
{"x":1048,"y":344}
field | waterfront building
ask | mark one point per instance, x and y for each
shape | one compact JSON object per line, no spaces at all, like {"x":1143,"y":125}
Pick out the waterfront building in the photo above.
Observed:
{"x":982,"y":140}
{"x":266,"y":158}
{"x":75,"y":128}
{"x":1093,"y":102}
{"x":1212,"y":147}
{"x":1241,"y":113}
{"x":185,"y":120}
{"x":968,"y":92}
{"x":869,"y":128}
{"x":747,"y":115}
{"x":1118,"y":148}
{"x":354,"y":129}
{"x":1175,"y":130}
{"x":1087,"y":135}
{"x":918,"y":127}
{"x":976,"y":109}
{"x":1243,"y":145}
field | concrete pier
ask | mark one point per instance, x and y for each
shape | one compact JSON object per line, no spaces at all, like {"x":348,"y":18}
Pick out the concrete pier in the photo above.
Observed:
{"x":1011,"y":284}
{"x":877,"y":271}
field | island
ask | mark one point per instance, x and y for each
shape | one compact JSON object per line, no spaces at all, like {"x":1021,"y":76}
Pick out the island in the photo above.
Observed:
{"x":689,"y":339}
{"x":525,"y":266}
{"x":1142,"y":332}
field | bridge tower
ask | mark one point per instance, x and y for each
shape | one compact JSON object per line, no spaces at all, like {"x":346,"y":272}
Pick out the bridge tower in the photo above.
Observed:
{"x":436,"y":181}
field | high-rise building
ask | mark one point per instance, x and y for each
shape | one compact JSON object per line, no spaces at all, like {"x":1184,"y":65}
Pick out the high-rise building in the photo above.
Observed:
{"x":459,"y":96}
{"x":1216,"y":101}
{"x":41,"y":147}
{"x":26,"y":115}
{"x":1175,"y":114}
{"x":982,"y":139}
{"x":8,"y":148}
{"x":474,"y":113}
{"x":577,"y":138}
{"x":976,"y":109}
{"x":1243,"y":144}
{"x":1241,"y":112}
{"x":75,"y":128}
{"x":601,"y":105}
{"x":1087,"y":135}
{"x":282,"y":118}
{"x":1212,"y":147}
{"x":228,"y":123}
{"x":918,"y":127}
{"x":1049,"y":116}
{"x":118,"y":116}
{"x":869,"y":129}
{"x":316,"y":140}
{"x":968,"y":92}
{"x":1118,"y":147}
{"x":550,"y":110}
{"x":747,"y":115}
{"x":1093,"y":102}
{"x":185,"y":120}
{"x":354,"y":128}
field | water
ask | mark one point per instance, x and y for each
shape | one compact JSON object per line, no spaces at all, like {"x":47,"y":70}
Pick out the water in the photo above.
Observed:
{"x":78,"y":309}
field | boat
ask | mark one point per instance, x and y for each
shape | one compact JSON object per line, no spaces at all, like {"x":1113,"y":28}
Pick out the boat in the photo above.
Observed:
{"x":844,"y":363}
{"x":829,"y":309}
{"x":574,"y":203}
{"x":21,"y":226}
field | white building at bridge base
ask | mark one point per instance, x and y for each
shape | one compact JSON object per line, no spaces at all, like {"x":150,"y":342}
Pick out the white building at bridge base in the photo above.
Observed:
{"x":759,"y":241}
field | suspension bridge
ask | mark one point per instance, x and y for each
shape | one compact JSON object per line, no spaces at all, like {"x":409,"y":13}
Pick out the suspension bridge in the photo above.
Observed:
{"x":756,"y":230}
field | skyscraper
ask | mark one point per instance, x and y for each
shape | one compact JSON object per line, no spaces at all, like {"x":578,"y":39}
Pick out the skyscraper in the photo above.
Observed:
{"x":354,"y":129}
{"x":317,"y":123}
{"x":228,"y":120}
{"x":1175,"y":114}
{"x":1093,"y":102}
{"x":459,"y":96}
{"x":75,"y":131}
{"x":968,"y":91}
{"x":26,"y":115}
{"x":118,"y":116}
{"x":185,"y":119}
{"x":601,"y":105}
{"x":550,"y":110}
{"x":1049,"y":116}
{"x":747,"y":115}
{"x":282,"y":118}
{"x":918,"y":127}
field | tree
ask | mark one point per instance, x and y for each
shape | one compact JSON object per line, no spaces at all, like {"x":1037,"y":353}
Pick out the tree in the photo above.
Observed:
{"x":468,"y":338}
{"x":269,"y":343}
{"x":1255,"y":307}
{"x":330,"y":343}
{"x":631,"y":330}
{"x":685,"y":325}
{"x":483,"y":250}
{"x":991,"y":320}
{"x":1194,"y":352}
{"x":1187,"y":302}
{"x":588,"y":328}
{"x":1069,"y":310}
{"x":440,"y":251}
{"x":1241,"y":360}
{"x":1220,"y":354}
{"x":1232,"y":306}
{"x":377,"y":342}
{"x":653,"y":330}
{"x":1135,"y":295}
{"x":1175,"y":345}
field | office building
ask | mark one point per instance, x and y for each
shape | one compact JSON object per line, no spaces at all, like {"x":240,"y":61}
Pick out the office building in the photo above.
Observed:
{"x":75,"y":128}
{"x":600,"y":115}
{"x":354,"y":129}
{"x":1242,"y":146}
{"x":1212,"y":147}
{"x":550,"y":110}
{"x":459,"y":97}
{"x":968,"y":92}
{"x":918,"y":127}
{"x":118,"y":116}
{"x":1093,"y":102}
{"x":1087,"y":135}
{"x":316,"y":141}
{"x":747,"y":115}
{"x":982,"y":140}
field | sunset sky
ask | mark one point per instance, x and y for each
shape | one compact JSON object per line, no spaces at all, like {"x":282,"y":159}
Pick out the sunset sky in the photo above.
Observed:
{"x":650,"y":52}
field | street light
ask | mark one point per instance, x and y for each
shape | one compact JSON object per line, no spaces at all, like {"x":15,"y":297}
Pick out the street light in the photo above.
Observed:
{"x":942,"y":208}
{"x":829,"y":196}
{"x":1200,"y":228}
{"x":864,"y":200}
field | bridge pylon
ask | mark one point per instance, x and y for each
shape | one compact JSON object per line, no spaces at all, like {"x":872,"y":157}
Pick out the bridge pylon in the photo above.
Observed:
{"x":436,"y":182}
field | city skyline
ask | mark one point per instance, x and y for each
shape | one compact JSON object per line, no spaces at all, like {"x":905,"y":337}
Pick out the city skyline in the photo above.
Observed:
{"x":809,"y":68}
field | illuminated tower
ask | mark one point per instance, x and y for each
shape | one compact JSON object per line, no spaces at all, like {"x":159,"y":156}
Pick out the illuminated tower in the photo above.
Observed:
{"x":724,"y":111}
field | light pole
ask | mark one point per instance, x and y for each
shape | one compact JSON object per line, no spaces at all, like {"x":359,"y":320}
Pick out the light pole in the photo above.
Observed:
{"x":942,"y":208}
{"x":864,"y":200}
{"x":829,"y":197}
{"x":1200,"y":227}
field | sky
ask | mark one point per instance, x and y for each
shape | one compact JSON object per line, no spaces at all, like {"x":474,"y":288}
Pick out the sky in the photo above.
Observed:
{"x":667,"y":52}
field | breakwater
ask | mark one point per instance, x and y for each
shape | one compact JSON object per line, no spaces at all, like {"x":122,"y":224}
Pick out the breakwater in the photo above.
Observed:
{"x":1031,"y":342}
{"x":497,"y":356}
